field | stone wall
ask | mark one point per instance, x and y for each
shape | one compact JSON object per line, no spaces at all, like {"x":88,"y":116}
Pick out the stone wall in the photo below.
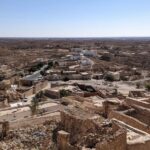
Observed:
{"x":52,"y":94}
{"x":63,"y":141}
{"x":142,"y":114}
{"x":4,"y":103}
{"x":88,"y":94}
{"x":78,"y":126}
{"x":28,"y":92}
{"x":118,"y":143}
{"x":41,"y":85}
{"x":139,"y":146}
{"x":131,"y":101}
{"x":129,"y":120}
{"x":25,"y":82}
{"x":35,"y":89}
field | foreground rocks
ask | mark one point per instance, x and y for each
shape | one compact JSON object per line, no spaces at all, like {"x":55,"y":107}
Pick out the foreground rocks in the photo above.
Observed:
{"x":34,"y":138}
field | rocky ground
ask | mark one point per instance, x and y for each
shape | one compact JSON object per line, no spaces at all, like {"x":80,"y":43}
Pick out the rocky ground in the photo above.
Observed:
{"x":31,"y":138}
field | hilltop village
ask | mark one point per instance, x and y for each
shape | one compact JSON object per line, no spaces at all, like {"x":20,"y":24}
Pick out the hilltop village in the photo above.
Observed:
{"x":74,"y":94}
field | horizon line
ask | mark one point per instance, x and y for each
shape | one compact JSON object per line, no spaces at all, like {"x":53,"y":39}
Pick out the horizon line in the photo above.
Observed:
{"x":74,"y":37}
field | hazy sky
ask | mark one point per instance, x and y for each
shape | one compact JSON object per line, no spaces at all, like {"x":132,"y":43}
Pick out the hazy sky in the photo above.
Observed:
{"x":74,"y":18}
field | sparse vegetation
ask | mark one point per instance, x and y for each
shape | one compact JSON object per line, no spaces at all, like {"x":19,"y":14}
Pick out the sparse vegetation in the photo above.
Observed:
{"x":50,"y":64}
{"x":34,"y":106}
{"x":39,"y":94}
{"x":36,"y":67}
{"x":64,"y":93}
{"x":66,"y":79}
{"x":147,"y":86}
{"x":109,"y":77}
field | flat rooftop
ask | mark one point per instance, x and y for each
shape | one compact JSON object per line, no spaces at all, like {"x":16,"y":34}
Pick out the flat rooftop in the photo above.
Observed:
{"x":82,"y":114}
{"x":96,"y":100}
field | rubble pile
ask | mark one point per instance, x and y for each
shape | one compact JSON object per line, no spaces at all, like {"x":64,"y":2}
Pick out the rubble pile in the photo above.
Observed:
{"x":37,"y":138}
{"x":91,"y":139}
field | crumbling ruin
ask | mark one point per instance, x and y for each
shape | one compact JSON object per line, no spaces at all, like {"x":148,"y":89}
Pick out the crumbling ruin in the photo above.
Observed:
{"x":80,"y":131}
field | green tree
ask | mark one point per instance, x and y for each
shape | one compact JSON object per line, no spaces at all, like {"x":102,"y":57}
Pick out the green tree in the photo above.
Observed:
{"x":39,"y":95}
{"x":34,"y":106}
{"x":50,"y":64}
{"x":147,"y":86}
{"x":109,"y":78}
{"x":42,"y":73}
{"x":64,"y":93}
{"x":56,"y":63}
{"x":65,"y":79}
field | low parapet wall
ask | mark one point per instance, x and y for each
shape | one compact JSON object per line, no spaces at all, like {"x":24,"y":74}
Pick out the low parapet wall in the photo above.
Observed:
{"x":141,"y":143}
{"x":131,"y":101}
{"x":129,"y":120}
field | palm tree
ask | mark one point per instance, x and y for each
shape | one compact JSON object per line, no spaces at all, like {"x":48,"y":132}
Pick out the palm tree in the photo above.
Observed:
{"x":34,"y":106}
